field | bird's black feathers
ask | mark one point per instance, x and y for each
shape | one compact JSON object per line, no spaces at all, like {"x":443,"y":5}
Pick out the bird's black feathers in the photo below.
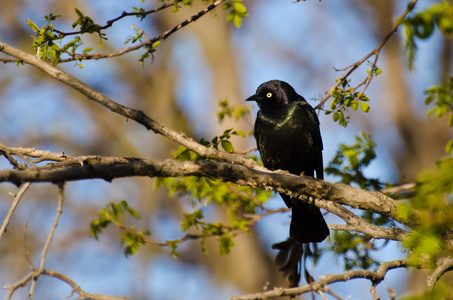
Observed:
{"x":288,"y":138}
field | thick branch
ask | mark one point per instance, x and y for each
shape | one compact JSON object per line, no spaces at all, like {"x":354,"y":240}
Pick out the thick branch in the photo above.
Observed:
{"x":108,"y":168}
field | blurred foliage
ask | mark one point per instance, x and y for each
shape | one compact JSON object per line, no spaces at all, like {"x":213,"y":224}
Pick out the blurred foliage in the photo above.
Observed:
{"x":443,"y":106}
{"x":422,"y":24}
{"x":441,"y":291}
{"x":433,"y":202}
{"x":237,"y":11}
{"x":118,"y":214}
{"x":235,"y":112}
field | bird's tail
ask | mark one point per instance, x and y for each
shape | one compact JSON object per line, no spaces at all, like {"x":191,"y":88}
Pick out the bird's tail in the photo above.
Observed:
{"x":307,"y":223}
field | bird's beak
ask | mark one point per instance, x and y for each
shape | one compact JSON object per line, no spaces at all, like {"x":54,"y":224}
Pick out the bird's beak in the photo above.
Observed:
{"x":255,"y":97}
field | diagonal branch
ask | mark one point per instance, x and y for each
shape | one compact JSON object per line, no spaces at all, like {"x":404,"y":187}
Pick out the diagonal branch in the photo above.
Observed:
{"x":49,"y":238}
{"x":17,"y":198}
{"x":129,"y":113}
{"x":443,"y":265}
{"x":376,"y":51}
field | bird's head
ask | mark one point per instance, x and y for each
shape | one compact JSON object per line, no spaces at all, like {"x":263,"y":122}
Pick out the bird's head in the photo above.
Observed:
{"x":274,"y":94}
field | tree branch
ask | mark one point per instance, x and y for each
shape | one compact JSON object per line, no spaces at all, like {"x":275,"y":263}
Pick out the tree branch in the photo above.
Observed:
{"x":49,"y":238}
{"x":11,"y":210}
{"x":443,"y":265}
{"x":77,"y":289}
{"x":123,"y":15}
{"x":108,"y":168}
{"x":129,"y":113}
{"x":376,"y":51}
{"x":375,"y":277}
{"x":358,"y":224}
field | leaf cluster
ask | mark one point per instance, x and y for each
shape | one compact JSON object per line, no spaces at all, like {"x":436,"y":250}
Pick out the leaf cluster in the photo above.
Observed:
{"x":433,"y":202}
{"x":422,"y":24}
{"x":118,"y":214}
{"x":238,"y":11}
{"x":49,"y":43}
{"x":345,"y":96}
{"x":195,"y":221}
{"x":443,"y":94}
{"x":223,"y":140}
{"x":235,"y":112}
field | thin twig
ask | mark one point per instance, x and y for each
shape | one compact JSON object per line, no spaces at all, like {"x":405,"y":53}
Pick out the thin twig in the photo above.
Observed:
{"x":147,"y":43}
{"x":110,"y":23}
{"x":375,"y":52}
{"x":26,"y":250}
{"x":49,"y":237}
{"x":11,"y":210}
{"x":77,"y":289}
{"x":32,"y":152}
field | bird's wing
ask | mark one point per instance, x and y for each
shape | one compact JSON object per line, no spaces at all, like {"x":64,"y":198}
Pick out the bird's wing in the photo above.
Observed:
{"x":316,"y":135}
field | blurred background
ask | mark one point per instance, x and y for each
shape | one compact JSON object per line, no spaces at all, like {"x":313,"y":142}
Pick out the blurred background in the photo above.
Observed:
{"x":192,"y":71}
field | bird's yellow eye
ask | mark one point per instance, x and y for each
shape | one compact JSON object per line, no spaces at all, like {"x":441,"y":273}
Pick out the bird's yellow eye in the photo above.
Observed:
{"x":269,"y":95}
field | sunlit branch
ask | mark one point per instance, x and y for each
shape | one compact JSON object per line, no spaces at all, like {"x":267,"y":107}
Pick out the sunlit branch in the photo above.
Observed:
{"x":129,"y":113}
{"x":123,"y":15}
{"x":375,"y":277}
{"x":443,"y":265}
{"x":49,"y":237}
{"x":11,"y":210}
{"x":376,"y":51}
{"x":358,"y":224}
{"x":109,"y":168}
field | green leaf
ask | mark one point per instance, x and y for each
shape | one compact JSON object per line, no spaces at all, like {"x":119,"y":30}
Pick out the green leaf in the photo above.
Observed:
{"x":429,"y":99}
{"x":88,"y":49}
{"x":225,"y":243}
{"x":335,"y":117}
{"x":240,"y":9}
{"x":33,"y":26}
{"x":239,"y":133}
{"x":230,"y":16}
{"x":237,"y":20}
{"x":227,"y":146}
{"x":449,"y":147}
{"x":364,"y":107}
{"x":350,"y":152}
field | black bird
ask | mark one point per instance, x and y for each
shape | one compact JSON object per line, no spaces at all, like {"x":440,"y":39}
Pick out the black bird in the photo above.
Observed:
{"x":288,"y":138}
